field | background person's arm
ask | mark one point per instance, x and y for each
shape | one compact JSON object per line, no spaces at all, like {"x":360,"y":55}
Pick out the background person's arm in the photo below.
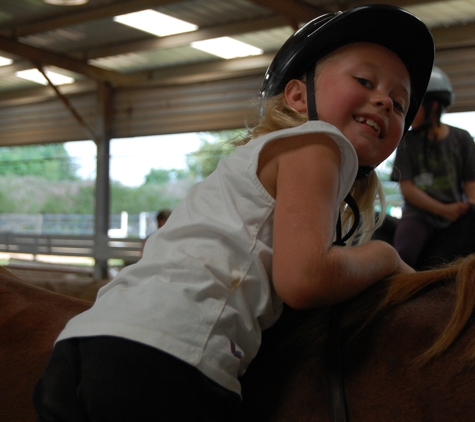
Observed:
{"x":419,"y":198}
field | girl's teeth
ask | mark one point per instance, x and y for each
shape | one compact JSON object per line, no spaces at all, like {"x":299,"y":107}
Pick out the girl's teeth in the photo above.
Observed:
{"x":369,"y":122}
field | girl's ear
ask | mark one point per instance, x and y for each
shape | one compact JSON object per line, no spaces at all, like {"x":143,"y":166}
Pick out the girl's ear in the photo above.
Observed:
{"x":296,"y":95}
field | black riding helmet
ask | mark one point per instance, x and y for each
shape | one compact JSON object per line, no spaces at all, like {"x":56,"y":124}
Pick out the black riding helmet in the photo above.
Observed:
{"x":390,"y":26}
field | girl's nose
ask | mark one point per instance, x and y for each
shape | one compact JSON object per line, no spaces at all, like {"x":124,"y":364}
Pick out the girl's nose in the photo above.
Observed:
{"x":383,"y":101}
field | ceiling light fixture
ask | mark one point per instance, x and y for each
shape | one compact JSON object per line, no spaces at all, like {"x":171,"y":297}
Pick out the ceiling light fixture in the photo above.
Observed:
{"x":4,"y":61}
{"x":34,"y":75}
{"x":66,"y":2}
{"x":227,"y":48}
{"x":155,"y":23}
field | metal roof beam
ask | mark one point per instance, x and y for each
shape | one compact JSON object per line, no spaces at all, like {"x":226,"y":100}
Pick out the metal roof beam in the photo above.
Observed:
{"x":296,"y":11}
{"x":24,"y":96}
{"x":209,"y":71}
{"x":184,"y":74}
{"x":83,"y":14}
{"x":37,"y":55}
{"x":457,"y":36}
{"x":403,"y":4}
{"x":155,"y":43}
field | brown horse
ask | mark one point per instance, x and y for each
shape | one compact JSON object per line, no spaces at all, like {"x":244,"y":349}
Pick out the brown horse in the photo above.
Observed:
{"x":408,"y":353}
{"x":30,"y":320}
{"x":407,"y":345}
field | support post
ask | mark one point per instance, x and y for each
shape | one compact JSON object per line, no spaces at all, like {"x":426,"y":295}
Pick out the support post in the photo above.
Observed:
{"x":102,"y":195}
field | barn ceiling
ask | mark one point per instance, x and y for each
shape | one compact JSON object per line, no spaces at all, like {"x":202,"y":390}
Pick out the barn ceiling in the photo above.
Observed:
{"x":84,"y":42}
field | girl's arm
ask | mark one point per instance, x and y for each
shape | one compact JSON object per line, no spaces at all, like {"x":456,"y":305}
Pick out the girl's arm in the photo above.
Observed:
{"x":302,"y":173}
{"x":419,"y":198}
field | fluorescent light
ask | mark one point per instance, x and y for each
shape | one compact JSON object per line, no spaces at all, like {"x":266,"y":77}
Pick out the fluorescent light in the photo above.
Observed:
{"x":227,"y":48}
{"x":155,"y":23}
{"x":66,"y":2}
{"x":5,"y":61}
{"x":35,"y":75}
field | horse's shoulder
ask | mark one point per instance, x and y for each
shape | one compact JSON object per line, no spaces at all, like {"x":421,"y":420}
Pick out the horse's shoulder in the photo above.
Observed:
{"x":30,"y":321}
{"x":405,"y":331}
{"x":431,"y":304}
{"x":13,"y":286}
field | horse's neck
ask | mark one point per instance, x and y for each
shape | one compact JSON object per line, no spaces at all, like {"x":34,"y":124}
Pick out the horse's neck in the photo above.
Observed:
{"x":24,"y":301}
{"x":383,"y":374}
{"x":289,"y":375}
{"x":30,"y":321}
{"x":283,"y":379}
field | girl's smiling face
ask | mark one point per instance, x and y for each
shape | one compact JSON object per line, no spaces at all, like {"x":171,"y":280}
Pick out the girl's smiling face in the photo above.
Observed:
{"x":364,"y":90}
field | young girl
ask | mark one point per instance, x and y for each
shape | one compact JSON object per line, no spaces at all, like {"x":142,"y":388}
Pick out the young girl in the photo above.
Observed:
{"x":167,"y":339}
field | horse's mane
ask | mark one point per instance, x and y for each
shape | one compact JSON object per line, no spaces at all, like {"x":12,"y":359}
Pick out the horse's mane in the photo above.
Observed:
{"x":301,"y":327}
{"x":462,"y":273}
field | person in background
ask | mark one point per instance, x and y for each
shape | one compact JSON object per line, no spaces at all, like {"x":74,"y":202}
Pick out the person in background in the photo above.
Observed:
{"x":169,"y":337}
{"x":435,"y":166}
{"x":162,"y":217}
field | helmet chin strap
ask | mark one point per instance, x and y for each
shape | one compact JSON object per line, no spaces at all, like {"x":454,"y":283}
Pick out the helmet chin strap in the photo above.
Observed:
{"x":363,"y":171}
{"x":341,"y":241}
{"x":311,"y":102}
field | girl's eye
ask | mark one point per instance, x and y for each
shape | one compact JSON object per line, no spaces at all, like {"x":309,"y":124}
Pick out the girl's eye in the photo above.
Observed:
{"x":398,"y":106}
{"x":364,"y":82}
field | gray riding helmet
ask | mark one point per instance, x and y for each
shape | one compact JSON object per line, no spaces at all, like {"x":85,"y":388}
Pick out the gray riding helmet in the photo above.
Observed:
{"x":390,"y":26}
{"x":440,"y":87}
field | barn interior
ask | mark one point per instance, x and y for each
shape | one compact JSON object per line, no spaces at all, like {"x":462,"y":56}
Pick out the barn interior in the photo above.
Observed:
{"x":125,"y":82}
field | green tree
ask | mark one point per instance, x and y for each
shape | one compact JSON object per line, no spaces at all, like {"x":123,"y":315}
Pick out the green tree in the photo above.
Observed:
{"x":33,"y":194}
{"x":160,"y":176}
{"x":49,"y":161}
{"x":214,"y":146}
{"x":148,"y":197}
{"x":70,"y":198}
{"x":42,"y":179}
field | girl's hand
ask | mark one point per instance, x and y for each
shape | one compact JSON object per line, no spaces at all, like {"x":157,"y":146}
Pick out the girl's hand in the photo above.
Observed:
{"x":403,"y":268}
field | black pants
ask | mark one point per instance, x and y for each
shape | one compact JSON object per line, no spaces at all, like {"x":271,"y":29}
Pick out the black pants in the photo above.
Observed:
{"x":410,"y":238}
{"x":112,"y":379}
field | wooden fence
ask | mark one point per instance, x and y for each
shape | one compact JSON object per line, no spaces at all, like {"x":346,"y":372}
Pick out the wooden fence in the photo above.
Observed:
{"x":102,"y":248}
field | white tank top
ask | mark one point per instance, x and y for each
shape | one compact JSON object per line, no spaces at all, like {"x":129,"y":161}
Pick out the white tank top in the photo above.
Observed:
{"x":203,"y":289}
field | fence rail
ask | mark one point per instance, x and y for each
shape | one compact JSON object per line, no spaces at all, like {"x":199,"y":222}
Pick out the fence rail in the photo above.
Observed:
{"x":128,"y":249}
{"x":73,"y":235}
{"x":135,"y":225}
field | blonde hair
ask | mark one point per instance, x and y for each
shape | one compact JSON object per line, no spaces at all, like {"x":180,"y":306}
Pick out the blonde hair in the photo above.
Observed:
{"x":276,"y":114}
{"x":367,"y":193}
